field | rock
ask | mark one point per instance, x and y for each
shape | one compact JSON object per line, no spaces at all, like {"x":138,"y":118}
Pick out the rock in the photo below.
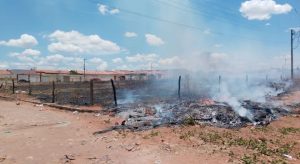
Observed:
{"x":70,"y":157}
{"x":2,"y":158}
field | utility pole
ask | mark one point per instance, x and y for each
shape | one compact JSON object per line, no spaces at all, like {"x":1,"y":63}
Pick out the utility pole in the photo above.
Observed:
{"x":84,"y":69}
{"x":292,"y":54}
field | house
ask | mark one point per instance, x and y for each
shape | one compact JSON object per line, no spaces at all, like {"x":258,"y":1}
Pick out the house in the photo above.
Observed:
{"x":25,"y":75}
{"x":73,"y":75}
{"x":54,"y":75}
{"x":5,"y":75}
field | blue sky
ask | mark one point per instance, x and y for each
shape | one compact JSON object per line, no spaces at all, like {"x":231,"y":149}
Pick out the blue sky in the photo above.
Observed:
{"x":140,"y":34}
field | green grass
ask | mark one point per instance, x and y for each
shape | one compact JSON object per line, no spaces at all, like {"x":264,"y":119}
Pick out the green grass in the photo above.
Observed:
{"x":187,"y":135}
{"x":286,"y":131}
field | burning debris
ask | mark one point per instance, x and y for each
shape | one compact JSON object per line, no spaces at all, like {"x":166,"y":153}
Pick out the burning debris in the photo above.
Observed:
{"x":205,"y":111}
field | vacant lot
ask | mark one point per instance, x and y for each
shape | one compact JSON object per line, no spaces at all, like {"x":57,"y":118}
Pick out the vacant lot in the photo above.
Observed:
{"x":38,"y":134}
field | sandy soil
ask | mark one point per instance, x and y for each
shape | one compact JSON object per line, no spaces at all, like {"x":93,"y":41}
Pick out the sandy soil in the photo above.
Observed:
{"x":38,"y":134}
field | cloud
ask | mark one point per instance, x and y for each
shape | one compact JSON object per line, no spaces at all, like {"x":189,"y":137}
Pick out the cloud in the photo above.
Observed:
{"x":130,"y":34}
{"x":154,"y":40}
{"x":98,"y":63}
{"x":114,"y":11}
{"x":3,"y":66}
{"x":75,"y":42}
{"x":263,"y":9}
{"x":103,"y":9}
{"x":218,"y":45}
{"x":268,"y":24}
{"x":27,"y":52}
{"x":142,"y":58}
{"x":207,"y":32}
{"x":24,"y":41}
{"x":117,"y":61}
{"x":172,"y":61}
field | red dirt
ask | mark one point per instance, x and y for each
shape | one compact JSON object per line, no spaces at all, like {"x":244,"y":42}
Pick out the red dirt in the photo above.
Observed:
{"x":35,"y":134}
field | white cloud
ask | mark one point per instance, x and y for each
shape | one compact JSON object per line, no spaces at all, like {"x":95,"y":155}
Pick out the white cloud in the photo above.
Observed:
{"x":117,"y":60}
{"x":154,"y":40}
{"x":218,"y":45}
{"x":55,"y":58}
{"x":57,"y":61}
{"x":27,"y":53}
{"x":3,"y":66}
{"x":75,"y":42}
{"x":263,"y":9}
{"x":98,"y":63}
{"x":172,"y":61}
{"x":207,"y":32}
{"x":114,"y":11}
{"x":25,"y":40}
{"x":142,"y":58}
{"x":268,"y":24}
{"x":103,"y":9}
{"x":130,"y":34}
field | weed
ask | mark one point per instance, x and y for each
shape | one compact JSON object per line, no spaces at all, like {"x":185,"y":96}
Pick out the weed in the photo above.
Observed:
{"x":249,"y":159}
{"x":213,"y":137}
{"x":278,"y":161}
{"x":187,"y":135}
{"x":286,"y":131}
{"x":154,"y":134}
{"x":285,"y":149}
{"x":189,"y":121}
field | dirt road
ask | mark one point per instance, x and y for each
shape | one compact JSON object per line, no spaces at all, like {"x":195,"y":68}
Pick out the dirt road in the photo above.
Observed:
{"x":33,"y":134}
{"x":36,"y":134}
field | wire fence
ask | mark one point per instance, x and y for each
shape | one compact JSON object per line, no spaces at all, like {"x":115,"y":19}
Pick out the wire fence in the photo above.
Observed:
{"x":90,"y":92}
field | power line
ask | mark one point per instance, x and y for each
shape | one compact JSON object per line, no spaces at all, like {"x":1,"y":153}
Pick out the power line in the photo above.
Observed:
{"x":180,"y":24}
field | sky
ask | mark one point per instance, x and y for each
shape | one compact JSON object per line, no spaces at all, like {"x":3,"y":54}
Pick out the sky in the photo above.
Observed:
{"x":239,"y":35}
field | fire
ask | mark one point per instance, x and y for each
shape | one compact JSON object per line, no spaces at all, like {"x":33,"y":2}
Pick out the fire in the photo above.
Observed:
{"x":207,"y":102}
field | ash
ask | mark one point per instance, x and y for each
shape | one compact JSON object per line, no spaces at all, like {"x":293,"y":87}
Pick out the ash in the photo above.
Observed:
{"x":148,"y":115}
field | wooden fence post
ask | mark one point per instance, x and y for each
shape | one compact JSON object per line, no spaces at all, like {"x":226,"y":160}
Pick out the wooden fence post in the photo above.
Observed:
{"x":13,"y":86}
{"x":179,"y":86}
{"x":114,"y":91}
{"x":53,"y":92}
{"x":91,"y":92}
{"x":29,"y":88}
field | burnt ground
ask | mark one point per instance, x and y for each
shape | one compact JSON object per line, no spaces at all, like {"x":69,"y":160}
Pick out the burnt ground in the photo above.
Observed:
{"x":36,"y":134}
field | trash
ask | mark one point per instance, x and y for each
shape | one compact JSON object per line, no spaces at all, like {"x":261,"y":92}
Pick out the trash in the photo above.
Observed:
{"x":98,"y":115}
{"x":75,"y":112}
{"x":288,"y":157}
{"x":39,"y":105}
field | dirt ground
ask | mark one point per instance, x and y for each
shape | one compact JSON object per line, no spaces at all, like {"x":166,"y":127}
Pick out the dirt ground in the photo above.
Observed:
{"x":37,"y":134}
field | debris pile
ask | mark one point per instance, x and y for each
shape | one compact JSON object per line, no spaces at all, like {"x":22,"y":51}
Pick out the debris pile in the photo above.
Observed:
{"x":141,"y":116}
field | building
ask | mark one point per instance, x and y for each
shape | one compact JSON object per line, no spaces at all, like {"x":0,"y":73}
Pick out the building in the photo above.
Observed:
{"x":36,"y":76}
{"x":5,"y":75}
{"x":25,"y":75}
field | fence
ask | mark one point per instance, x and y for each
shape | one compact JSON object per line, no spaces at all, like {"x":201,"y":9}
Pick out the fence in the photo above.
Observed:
{"x":76,"y":93}
{"x":92,"y":92}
